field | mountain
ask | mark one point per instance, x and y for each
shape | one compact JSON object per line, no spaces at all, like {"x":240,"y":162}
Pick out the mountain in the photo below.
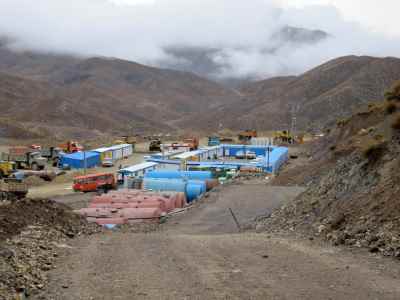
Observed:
{"x":316,"y":98}
{"x":98,"y":95}
{"x":64,"y":96}
{"x":210,"y":62}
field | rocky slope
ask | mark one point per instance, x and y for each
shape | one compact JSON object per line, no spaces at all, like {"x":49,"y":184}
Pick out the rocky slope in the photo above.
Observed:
{"x":32,"y":234}
{"x":318,"y":97}
{"x":61,"y":96}
{"x":98,"y":95}
{"x":353,"y":183}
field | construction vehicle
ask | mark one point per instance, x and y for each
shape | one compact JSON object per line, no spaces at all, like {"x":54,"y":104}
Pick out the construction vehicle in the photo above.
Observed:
{"x":284,"y":137}
{"x":7,"y":168}
{"x":126,"y":139}
{"x":247,"y":135}
{"x":71,"y":147}
{"x":52,"y":155}
{"x":192,"y":143}
{"x":12,"y":189}
{"x":155,"y":145}
{"x":95,"y":182}
{"x":25,"y":158}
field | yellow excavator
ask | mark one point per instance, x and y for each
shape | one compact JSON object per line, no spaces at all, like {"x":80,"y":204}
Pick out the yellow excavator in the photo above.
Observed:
{"x":284,"y":137}
{"x":7,"y":168}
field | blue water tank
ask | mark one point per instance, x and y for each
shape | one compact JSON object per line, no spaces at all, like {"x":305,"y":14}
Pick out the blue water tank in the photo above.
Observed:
{"x":190,"y":175}
{"x":193,"y":189}
{"x":161,"y":184}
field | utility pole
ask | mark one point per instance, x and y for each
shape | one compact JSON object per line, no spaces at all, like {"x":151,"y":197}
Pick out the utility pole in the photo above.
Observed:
{"x":294,"y":110}
{"x":84,"y":161}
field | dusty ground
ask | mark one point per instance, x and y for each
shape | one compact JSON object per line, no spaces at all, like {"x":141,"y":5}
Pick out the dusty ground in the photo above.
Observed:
{"x":62,"y":186}
{"x":201,"y":255}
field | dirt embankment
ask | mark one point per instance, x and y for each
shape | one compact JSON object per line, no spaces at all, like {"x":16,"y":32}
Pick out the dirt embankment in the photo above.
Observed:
{"x":353,"y":185}
{"x":32,"y":232}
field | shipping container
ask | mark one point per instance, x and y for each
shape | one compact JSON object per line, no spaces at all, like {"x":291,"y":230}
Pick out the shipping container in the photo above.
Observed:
{"x":77,"y":160}
{"x":115,"y":152}
{"x":191,"y":175}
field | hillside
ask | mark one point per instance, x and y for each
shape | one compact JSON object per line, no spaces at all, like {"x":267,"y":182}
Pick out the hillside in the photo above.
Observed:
{"x":48,"y":94}
{"x":99,"y":95}
{"x":319,"y":97}
{"x":353,"y":183}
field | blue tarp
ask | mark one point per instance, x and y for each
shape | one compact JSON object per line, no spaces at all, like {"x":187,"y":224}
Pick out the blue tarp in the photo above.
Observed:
{"x":276,"y":159}
{"x":76,"y":160}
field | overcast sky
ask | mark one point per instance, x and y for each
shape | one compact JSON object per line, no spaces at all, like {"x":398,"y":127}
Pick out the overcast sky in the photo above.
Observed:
{"x":139,"y":30}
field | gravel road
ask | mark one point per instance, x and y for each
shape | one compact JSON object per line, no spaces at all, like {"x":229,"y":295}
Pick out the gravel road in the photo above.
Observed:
{"x":200,"y":255}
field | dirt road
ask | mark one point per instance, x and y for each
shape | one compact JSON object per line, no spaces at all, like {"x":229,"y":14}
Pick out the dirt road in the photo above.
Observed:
{"x":200,"y":255}
{"x":63,"y":186}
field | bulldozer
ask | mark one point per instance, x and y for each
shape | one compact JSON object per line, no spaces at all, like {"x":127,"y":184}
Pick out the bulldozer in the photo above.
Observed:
{"x":155,"y":145}
{"x":126,"y":139}
{"x":12,"y":189}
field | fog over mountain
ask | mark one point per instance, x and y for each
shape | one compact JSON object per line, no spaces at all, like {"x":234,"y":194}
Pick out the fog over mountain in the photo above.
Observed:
{"x":219,"y":39}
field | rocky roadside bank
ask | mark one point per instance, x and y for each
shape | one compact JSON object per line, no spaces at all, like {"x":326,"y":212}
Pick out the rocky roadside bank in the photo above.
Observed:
{"x":32,"y":234}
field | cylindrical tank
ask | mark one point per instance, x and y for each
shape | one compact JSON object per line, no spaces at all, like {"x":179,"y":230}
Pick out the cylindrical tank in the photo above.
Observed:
{"x":192,"y":188}
{"x":141,"y":213}
{"x":177,"y":185}
{"x":178,"y":197}
{"x":140,"y":204}
{"x":191,"y":175}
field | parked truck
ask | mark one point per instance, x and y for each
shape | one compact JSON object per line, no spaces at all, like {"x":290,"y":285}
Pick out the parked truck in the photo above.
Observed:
{"x":193,"y":142}
{"x":25,"y":158}
{"x":52,"y":154}
{"x":245,"y":136}
{"x":71,"y":147}
{"x":12,"y":189}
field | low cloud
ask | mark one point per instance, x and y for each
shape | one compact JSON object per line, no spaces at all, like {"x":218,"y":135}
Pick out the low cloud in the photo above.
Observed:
{"x":242,"y":31}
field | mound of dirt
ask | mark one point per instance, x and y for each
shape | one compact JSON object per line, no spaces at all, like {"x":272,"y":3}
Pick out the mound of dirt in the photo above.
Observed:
{"x":35,"y":181}
{"x":32,"y":232}
{"x":353,"y":186}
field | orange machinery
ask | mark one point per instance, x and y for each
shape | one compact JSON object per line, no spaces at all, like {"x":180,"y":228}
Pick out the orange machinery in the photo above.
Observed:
{"x":71,"y":147}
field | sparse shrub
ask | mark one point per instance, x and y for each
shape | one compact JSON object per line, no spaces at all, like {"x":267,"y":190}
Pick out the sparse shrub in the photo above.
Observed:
{"x":342,"y":122}
{"x":394,"y":93}
{"x":374,"y":149}
{"x":396,"y":122}
{"x":390,"y":108}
